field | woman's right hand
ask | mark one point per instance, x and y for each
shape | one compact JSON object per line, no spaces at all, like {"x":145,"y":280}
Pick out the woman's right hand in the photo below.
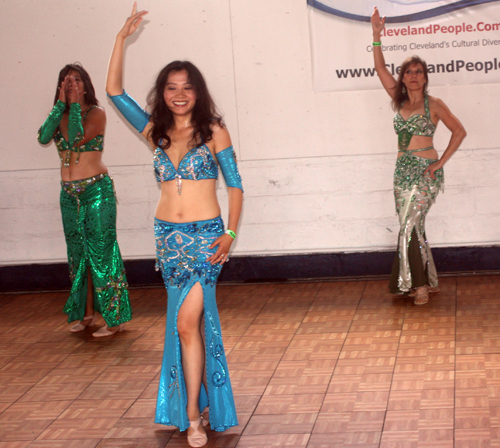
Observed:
{"x":132,"y":22}
{"x":377,"y":22}
{"x":63,"y":88}
{"x":383,"y":73}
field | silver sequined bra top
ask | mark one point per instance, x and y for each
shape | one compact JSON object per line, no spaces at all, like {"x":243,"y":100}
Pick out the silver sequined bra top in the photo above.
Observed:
{"x":418,"y":124}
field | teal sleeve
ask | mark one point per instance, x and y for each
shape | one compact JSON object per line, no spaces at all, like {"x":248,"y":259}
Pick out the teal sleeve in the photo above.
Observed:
{"x":229,"y":168}
{"x":132,"y":112}
{"x":75,"y":127}
{"x":48,"y":129}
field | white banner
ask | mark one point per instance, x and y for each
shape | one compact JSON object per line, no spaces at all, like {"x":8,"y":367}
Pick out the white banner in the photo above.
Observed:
{"x":459,"y":40}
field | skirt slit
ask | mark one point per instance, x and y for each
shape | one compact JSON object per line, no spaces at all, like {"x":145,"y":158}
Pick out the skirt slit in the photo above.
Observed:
{"x":182,"y":252}
{"x":414,"y":194}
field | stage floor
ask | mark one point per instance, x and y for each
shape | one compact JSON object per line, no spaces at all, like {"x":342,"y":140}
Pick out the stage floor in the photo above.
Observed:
{"x":316,"y":365}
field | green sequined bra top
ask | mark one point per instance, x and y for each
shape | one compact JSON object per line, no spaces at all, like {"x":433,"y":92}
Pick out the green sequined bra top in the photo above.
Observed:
{"x":96,"y":144}
{"x":418,"y":124}
{"x":50,"y":130}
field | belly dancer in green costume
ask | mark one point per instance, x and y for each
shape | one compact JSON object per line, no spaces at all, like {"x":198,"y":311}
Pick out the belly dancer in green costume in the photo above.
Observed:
{"x":88,"y":205}
{"x":418,"y":176}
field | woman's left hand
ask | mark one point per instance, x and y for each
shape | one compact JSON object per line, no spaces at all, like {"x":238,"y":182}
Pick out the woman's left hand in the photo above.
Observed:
{"x":431,"y":169}
{"x":224,"y":242}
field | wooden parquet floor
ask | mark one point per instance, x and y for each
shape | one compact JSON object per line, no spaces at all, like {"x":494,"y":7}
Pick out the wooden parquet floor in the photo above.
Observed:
{"x":313,"y":365}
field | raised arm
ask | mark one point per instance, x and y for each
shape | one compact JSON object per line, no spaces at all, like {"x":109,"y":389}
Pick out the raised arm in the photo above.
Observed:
{"x":94,"y":125}
{"x":129,"y":108}
{"x":114,"y":81}
{"x":387,"y":80}
{"x":81,"y":132}
{"x":49,"y":127}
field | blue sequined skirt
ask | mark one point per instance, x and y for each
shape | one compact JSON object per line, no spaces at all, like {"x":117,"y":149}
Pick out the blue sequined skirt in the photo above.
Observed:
{"x":182,"y":250}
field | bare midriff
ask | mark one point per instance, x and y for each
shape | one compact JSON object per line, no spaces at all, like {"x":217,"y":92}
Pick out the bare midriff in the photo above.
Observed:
{"x":418,"y":142}
{"x":197,"y":201}
{"x":89,"y":164}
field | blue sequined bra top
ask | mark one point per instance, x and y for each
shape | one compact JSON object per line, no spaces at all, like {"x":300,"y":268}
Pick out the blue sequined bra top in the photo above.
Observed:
{"x":197,"y":164}
{"x":418,"y":124}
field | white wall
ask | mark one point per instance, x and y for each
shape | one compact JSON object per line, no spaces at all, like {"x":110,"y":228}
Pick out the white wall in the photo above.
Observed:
{"x":317,"y":167}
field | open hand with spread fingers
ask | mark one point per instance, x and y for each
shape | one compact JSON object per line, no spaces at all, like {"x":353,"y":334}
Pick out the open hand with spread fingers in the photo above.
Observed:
{"x":132,"y":23}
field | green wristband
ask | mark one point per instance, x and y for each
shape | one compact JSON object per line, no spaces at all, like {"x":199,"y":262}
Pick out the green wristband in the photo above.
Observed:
{"x":48,"y":129}
{"x":376,"y":44}
{"x":231,"y":234}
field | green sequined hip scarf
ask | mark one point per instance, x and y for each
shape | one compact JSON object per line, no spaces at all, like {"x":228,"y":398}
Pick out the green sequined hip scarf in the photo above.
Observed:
{"x":414,"y":194}
{"x":88,"y":209}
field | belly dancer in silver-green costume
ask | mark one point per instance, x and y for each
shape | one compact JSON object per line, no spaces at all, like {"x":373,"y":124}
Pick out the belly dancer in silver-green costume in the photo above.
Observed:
{"x":414,"y":192}
{"x":418,"y":176}
{"x":88,"y":206}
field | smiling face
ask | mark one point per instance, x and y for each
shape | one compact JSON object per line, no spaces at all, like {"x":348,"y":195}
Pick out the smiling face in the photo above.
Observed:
{"x":414,"y":77}
{"x":179,"y":93}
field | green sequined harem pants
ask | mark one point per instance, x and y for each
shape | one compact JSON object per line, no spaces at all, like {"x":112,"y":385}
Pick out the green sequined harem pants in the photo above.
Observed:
{"x":88,"y":209}
{"x":414,"y":194}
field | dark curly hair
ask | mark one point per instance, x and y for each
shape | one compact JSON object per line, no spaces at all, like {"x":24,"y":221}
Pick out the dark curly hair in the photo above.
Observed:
{"x":90,"y":98}
{"x":204,"y":113}
{"x":401,"y":96}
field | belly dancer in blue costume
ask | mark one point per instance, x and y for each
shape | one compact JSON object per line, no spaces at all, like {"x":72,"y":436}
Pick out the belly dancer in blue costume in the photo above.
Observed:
{"x":418,"y":176}
{"x":187,"y":137}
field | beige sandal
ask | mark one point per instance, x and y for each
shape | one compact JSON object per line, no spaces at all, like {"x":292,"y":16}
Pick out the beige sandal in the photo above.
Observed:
{"x":432,"y":289}
{"x":205,"y":418}
{"x":422,"y":295}
{"x":198,"y":437}
{"x":108,"y":331}
{"x":87,"y":321}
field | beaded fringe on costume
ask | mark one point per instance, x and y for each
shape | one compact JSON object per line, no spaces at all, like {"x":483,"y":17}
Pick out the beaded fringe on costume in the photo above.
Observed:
{"x":88,"y":208}
{"x":182,"y":251}
{"x":414,"y":194}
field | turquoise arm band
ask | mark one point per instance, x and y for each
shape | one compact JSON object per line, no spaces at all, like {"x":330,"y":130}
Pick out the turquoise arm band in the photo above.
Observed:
{"x":229,"y":168}
{"x":48,"y":129}
{"x":75,"y":128}
{"x":132,"y":112}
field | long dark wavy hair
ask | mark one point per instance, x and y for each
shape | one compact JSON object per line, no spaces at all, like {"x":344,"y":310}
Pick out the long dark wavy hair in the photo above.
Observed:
{"x":402,"y":96}
{"x":204,"y":113}
{"x":90,"y":98}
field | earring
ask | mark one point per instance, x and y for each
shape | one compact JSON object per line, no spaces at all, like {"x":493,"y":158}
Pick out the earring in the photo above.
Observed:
{"x":403,"y":90}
